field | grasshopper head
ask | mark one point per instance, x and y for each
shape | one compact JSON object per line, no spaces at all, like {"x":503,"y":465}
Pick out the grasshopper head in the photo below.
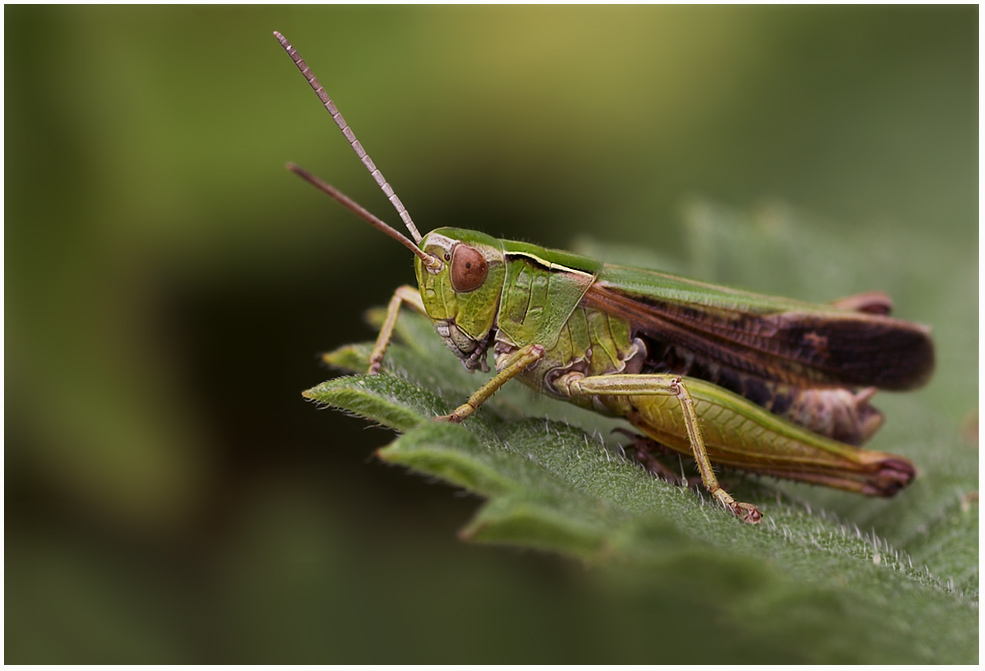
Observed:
{"x":462,"y":298}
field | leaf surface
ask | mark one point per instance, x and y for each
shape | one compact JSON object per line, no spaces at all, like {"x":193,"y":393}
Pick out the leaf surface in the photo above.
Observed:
{"x":827,"y":576}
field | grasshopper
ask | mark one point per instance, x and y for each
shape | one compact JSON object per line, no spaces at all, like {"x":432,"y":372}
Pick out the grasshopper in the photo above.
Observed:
{"x":753,"y":382}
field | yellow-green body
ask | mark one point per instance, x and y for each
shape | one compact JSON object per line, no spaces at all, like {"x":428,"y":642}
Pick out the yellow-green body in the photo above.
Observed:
{"x":535,"y":296}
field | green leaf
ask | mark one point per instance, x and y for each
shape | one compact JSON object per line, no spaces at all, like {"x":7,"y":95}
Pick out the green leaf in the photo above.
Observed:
{"x":827,"y":576}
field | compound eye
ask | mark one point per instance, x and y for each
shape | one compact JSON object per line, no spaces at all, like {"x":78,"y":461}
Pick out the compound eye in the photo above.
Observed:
{"x":468,"y":268}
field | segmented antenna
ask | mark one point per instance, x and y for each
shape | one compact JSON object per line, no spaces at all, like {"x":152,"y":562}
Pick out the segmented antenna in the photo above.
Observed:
{"x":349,"y":135}
{"x":432,"y":262}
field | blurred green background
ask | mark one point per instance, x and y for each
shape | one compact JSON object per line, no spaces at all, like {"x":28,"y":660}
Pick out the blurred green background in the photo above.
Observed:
{"x":171,"y":498}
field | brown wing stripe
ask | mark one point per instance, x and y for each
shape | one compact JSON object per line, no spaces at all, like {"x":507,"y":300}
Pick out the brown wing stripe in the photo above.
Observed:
{"x":803,"y":348}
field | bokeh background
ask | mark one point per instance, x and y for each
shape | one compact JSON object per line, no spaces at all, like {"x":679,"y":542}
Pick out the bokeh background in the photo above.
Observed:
{"x":169,"y":495}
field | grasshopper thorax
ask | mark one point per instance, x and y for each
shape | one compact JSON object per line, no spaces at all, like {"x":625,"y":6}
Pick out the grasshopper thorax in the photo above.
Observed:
{"x":462,"y":298}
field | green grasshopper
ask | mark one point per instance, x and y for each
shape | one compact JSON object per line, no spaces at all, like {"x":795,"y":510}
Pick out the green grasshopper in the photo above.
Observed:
{"x":753,"y":382}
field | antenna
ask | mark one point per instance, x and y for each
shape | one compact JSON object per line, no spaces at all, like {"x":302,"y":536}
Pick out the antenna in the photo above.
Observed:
{"x":432,"y":262}
{"x":349,"y":135}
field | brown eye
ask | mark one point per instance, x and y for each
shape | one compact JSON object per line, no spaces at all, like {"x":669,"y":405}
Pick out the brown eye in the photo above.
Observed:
{"x":468,"y":268}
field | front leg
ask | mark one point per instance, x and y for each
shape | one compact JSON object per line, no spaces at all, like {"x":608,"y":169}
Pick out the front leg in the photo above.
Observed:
{"x":575,"y":384}
{"x":405,"y":294}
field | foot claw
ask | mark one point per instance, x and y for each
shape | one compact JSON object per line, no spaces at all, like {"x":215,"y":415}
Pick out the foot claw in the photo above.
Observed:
{"x":747,"y":512}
